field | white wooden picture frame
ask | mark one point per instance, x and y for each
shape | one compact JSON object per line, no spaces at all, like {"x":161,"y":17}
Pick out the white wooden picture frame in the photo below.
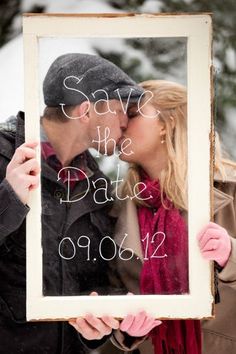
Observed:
{"x":196,"y":28}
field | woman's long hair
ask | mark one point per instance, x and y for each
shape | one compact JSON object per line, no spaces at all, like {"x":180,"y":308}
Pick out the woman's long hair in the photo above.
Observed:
{"x":170,"y":99}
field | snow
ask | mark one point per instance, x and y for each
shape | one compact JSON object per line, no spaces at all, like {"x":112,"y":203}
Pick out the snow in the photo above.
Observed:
{"x":217,"y":65}
{"x":151,"y":6}
{"x":107,"y":45}
{"x":12,"y":79}
{"x":69,"y":6}
{"x":230,"y":59}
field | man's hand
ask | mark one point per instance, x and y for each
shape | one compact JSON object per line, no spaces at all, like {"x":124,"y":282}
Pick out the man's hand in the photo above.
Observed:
{"x":23,"y":171}
{"x":214,"y":243}
{"x":138,"y":325}
{"x":93,"y":328}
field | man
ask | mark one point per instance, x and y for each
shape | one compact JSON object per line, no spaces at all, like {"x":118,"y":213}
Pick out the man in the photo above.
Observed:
{"x":84,"y":97}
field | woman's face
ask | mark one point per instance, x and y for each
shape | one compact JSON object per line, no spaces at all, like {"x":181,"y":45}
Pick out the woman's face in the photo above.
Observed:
{"x":145,"y":131}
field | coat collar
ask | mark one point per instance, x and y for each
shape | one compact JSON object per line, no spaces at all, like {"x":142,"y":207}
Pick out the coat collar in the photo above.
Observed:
{"x":221,"y":199}
{"x":230,"y":172}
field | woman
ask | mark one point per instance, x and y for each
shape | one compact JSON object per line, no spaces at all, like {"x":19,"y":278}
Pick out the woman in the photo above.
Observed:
{"x":158,"y":158}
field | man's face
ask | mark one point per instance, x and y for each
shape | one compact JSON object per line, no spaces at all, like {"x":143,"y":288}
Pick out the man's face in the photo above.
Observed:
{"x":108,"y":121}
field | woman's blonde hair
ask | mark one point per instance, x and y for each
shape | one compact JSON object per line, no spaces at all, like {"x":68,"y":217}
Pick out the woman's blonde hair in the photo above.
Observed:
{"x":170,"y":99}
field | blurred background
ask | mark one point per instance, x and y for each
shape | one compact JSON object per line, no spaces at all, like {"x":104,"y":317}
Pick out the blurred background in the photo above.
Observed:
{"x":142,"y":59}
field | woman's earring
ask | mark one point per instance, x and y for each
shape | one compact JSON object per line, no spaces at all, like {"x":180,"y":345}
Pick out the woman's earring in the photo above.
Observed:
{"x":163,"y":140}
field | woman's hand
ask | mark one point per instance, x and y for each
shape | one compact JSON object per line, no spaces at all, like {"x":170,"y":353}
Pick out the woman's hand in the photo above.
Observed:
{"x":214,"y":243}
{"x":139,"y":325}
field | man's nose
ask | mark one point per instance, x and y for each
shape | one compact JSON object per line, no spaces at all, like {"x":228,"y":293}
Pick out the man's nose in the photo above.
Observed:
{"x":124,"y":121}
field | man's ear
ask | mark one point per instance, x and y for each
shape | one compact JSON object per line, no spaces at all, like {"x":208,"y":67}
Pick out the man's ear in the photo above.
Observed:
{"x":81,"y":111}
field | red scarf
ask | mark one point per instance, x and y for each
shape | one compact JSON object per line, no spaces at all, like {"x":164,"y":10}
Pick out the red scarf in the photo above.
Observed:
{"x":166,"y":275}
